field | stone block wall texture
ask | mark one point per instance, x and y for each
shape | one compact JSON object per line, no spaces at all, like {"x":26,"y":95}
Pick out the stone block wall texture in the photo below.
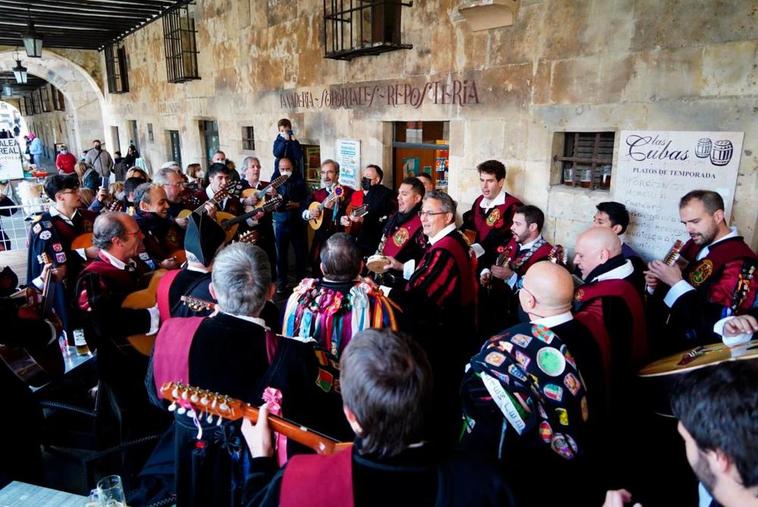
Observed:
{"x":565,"y":65}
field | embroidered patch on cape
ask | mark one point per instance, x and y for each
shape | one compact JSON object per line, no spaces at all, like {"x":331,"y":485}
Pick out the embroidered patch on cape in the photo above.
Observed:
{"x":493,"y":217}
{"x":400,"y":237}
{"x":701,"y":273}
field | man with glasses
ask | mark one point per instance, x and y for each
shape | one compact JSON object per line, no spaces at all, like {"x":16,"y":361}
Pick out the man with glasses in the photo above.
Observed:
{"x":262,"y":223}
{"x":52,"y":233}
{"x":530,"y":397}
{"x":100,"y":291}
{"x":438,"y":304}
{"x":172,"y":182}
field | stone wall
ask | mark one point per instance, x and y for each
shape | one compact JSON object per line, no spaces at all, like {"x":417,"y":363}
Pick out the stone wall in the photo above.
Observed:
{"x":584,"y":65}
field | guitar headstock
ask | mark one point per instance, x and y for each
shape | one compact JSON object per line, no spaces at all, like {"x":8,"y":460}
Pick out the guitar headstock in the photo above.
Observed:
{"x":43,"y":258}
{"x":115,"y":206}
{"x":278,"y":181}
{"x":273,"y":203}
{"x":249,"y":237}
{"x":197,"y":304}
{"x":231,"y":189}
{"x":673,"y":254}
{"x":185,"y":398}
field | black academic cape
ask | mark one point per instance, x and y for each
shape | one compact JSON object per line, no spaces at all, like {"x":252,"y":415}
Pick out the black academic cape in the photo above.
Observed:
{"x":189,"y":283}
{"x":381,"y":203}
{"x":416,"y":477}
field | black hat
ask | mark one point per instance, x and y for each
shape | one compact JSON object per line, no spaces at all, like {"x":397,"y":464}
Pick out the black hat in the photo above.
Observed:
{"x":203,"y":237}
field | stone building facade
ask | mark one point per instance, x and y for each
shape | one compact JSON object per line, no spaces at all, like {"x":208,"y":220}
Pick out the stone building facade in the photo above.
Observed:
{"x":508,"y":93}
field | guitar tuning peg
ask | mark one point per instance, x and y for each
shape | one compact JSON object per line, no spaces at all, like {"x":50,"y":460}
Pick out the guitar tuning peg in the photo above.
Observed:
{"x":218,"y":422}
{"x":175,"y":393}
{"x":172,"y":407}
{"x":214,"y":403}
{"x":191,"y":413}
{"x":181,"y":410}
{"x":204,"y":400}
{"x":184,"y":395}
{"x":209,"y":419}
{"x":194,"y":398}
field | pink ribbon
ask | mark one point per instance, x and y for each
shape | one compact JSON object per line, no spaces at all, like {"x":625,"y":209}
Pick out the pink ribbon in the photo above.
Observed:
{"x":273,"y":398}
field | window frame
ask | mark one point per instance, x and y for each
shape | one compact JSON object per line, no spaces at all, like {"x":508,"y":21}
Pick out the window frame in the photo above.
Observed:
{"x":601,"y":156}
{"x":180,"y":44}
{"x":248,"y":138}
{"x":116,"y":68}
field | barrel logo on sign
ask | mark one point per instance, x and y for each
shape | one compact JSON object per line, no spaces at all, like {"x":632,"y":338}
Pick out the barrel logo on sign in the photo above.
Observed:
{"x":722,"y":152}
{"x":703,"y":149}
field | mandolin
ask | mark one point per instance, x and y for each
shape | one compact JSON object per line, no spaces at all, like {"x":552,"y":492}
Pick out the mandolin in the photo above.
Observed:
{"x":230,"y":222}
{"x":206,"y":404}
{"x":142,"y":300}
{"x":260,"y":194}
{"x":337,"y":194}
{"x":197,"y":304}
{"x":356,"y":209}
{"x":231,"y":189}
{"x":503,"y":258}
{"x":558,"y":255}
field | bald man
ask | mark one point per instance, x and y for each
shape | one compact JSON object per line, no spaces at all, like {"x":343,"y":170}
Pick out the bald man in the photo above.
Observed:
{"x":609,"y":303}
{"x":537,"y":364}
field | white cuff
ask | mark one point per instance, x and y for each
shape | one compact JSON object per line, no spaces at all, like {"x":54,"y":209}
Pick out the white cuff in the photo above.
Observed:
{"x":306,"y":215}
{"x":408,"y":269}
{"x":37,"y":282}
{"x":676,"y":291}
{"x":386,"y":290}
{"x":649,"y":289}
{"x":155,"y":320}
{"x":478,"y":250}
{"x":512,"y":281}
{"x":82,"y":253}
{"x":730,"y":341}
{"x":485,"y":271}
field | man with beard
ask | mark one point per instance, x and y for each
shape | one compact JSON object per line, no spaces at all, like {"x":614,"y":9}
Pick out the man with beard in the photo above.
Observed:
{"x":172,"y":182}
{"x":491,"y":215}
{"x":379,"y":205}
{"x":335,"y":198}
{"x":716,"y":408}
{"x":719,"y":278}
{"x":162,"y":237}
{"x":403,"y":240}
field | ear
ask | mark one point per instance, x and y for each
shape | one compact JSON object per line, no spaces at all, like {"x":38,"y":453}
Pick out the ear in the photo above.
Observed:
{"x":719,"y":461}
{"x":718,"y":215}
{"x":212,"y":290}
{"x":352,"y":420}
{"x":141,"y":207}
{"x":271,"y":291}
{"x":616,"y":228}
{"x":321,"y":267}
{"x":532,"y":227}
{"x":605,"y":254}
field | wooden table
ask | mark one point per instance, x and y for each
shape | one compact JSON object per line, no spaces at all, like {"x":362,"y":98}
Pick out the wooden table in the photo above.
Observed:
{"x":21,"y":494}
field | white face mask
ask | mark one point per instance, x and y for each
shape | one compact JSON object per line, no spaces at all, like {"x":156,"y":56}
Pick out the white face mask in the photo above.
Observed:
{"x":285,"y":173}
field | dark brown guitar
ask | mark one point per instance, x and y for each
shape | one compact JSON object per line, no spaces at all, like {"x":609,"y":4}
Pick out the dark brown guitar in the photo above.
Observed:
{"x":208,"y":403}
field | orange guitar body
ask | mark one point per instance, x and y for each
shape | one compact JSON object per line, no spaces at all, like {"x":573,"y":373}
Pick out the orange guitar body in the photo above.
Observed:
{"x":141,"y":300}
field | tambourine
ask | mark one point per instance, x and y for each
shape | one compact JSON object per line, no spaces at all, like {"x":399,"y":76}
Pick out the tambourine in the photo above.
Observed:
{"x":376,"y":263}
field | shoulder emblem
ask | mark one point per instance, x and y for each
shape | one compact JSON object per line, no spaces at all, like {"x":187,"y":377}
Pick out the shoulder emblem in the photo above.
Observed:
{"x":494,"y":217}
{"x":701,"y":273}
{"x":400,"y":237}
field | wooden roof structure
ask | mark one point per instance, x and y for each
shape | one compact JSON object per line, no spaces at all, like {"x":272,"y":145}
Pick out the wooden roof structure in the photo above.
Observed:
{"x":79,"y":24}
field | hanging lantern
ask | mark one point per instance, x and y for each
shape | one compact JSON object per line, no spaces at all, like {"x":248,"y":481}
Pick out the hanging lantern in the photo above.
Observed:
{"x":19,"y":71}
{"x":32,"y":40}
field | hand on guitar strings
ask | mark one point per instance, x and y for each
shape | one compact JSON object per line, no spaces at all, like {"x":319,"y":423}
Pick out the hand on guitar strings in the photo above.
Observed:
{"x":258,"y":436}
{"x":741,"y":324}
{"x":501,"y":272}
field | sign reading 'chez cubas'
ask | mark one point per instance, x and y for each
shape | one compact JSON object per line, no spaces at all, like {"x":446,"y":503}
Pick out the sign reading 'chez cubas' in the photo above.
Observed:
{"x":460,"y":92}
{"x":656,"y":168}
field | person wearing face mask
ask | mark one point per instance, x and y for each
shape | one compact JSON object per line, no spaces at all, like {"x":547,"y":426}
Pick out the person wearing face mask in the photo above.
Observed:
{"x":65,"y":161}
{"x":379,"y":205}
{"x":286,"y":146}
{"x":99,"y":159}
{"x":288,"y":225}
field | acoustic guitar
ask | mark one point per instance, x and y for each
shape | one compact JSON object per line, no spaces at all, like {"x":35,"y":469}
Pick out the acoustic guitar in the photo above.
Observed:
{"x":197,"y":304}
{"x":503,"y":258}
{"x":260,"y":194}
{"x":207,"y":404}
{"x":356,"y":209}
{"x":231,"y":189}
{"x":337,"y":194}
{"x":142,"y":300}
{"x":39,"y":360}
{"x":230,"y":223}
{"x":84,"y":240}
{"x":558,"y":255}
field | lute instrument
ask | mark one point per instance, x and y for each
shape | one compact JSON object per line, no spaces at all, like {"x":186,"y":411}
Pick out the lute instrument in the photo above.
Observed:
{"x":207,"y":405}
{"x":700,"y":357}
{"x":357,"y":208}
{"x":197,"y":304}
{"x":337,"y":194}
{"x":231,"y":189}
{"x":142,"y":300}
{"x":260,"y":194}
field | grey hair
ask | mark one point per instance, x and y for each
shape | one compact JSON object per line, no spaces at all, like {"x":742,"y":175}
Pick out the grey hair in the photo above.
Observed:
{"x":333,"y":162}
{"x":246,"y":161}
{"x":108,"y":226}
{"x":171,"y":164}
{"x":447,"y":202}
{"x":241,"y":279}
{"x":161,"y":176}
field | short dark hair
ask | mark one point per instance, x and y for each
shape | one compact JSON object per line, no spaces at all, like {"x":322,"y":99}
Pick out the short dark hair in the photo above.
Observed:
{"x":710,"y":199}
{"x":387,"y":383}
{"x":218,"y":167}
{"x":719,"y":407}
{"x":532,"y":215}
{"x":142,"y":192}
{"x":57,"y":183}
{"x":378,"y":170}
{"x":341,"y":258}
{"x":415,"y":185}
{"x":425,"y":175}
{"x":131,"y":184}
{"x":106,"y":227}
{"x":284,"y":122}
{"x":288,"y":160}
{"x":492,"y":167}
{"x":617,"y":213}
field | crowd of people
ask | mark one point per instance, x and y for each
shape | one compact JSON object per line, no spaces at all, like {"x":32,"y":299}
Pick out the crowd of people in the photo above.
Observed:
{"x":470,"y":364}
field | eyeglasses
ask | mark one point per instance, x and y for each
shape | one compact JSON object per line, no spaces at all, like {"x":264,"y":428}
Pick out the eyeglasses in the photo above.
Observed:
{"x":180,"y":184}
{"x":70,"y":191}
{"x":422,"y":214}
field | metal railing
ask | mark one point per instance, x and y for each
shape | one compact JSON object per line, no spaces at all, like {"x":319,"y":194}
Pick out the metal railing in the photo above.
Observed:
{"x":15,"y":222}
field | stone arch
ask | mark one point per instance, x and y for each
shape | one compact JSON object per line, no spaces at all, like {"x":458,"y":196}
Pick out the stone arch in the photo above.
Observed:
{"x":84,"y":98}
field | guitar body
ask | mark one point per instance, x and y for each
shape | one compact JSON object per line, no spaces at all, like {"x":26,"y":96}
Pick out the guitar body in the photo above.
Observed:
{"x":315,"y":223}
{"x":141,"y":300}
{"x":700,"y":357}
{"x":82,"y":241}
{"x":34,"y":368}
{"x":356,"y":208}
{"x":185,"y":213}
{"x":221,"y":218}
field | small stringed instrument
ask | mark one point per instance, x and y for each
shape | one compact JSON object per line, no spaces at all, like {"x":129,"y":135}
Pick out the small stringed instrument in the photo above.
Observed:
{"x":260,"y":194}
{"x":700,"y":357}
{"x":356,"y":209}
{"x":230,"y":223}
{"x":141,"y":300}
{"x":39,"y":359}
{"x":233,"y":188}
{"x":337,"y":193}
{"x":558,"y":255}
{"x":207,"y":404}
{"x":674,"y":254}
{"x":503,"y":258}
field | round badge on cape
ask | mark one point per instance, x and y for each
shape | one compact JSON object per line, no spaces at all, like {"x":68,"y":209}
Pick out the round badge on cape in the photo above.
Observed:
{"x":493,"y":217}
{"x":400,"y":237}
{"x":701,"y":273}
{"x":551,"y":361}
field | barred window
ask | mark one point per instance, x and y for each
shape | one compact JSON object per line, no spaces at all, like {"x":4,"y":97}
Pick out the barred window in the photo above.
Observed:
{"x":587,"y":159}
{"x":180,"y":46}
{"x":363,"y":27}
{"x":45,"y":98}
{"x":248,"y":138}
{"x":115,"y":69}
